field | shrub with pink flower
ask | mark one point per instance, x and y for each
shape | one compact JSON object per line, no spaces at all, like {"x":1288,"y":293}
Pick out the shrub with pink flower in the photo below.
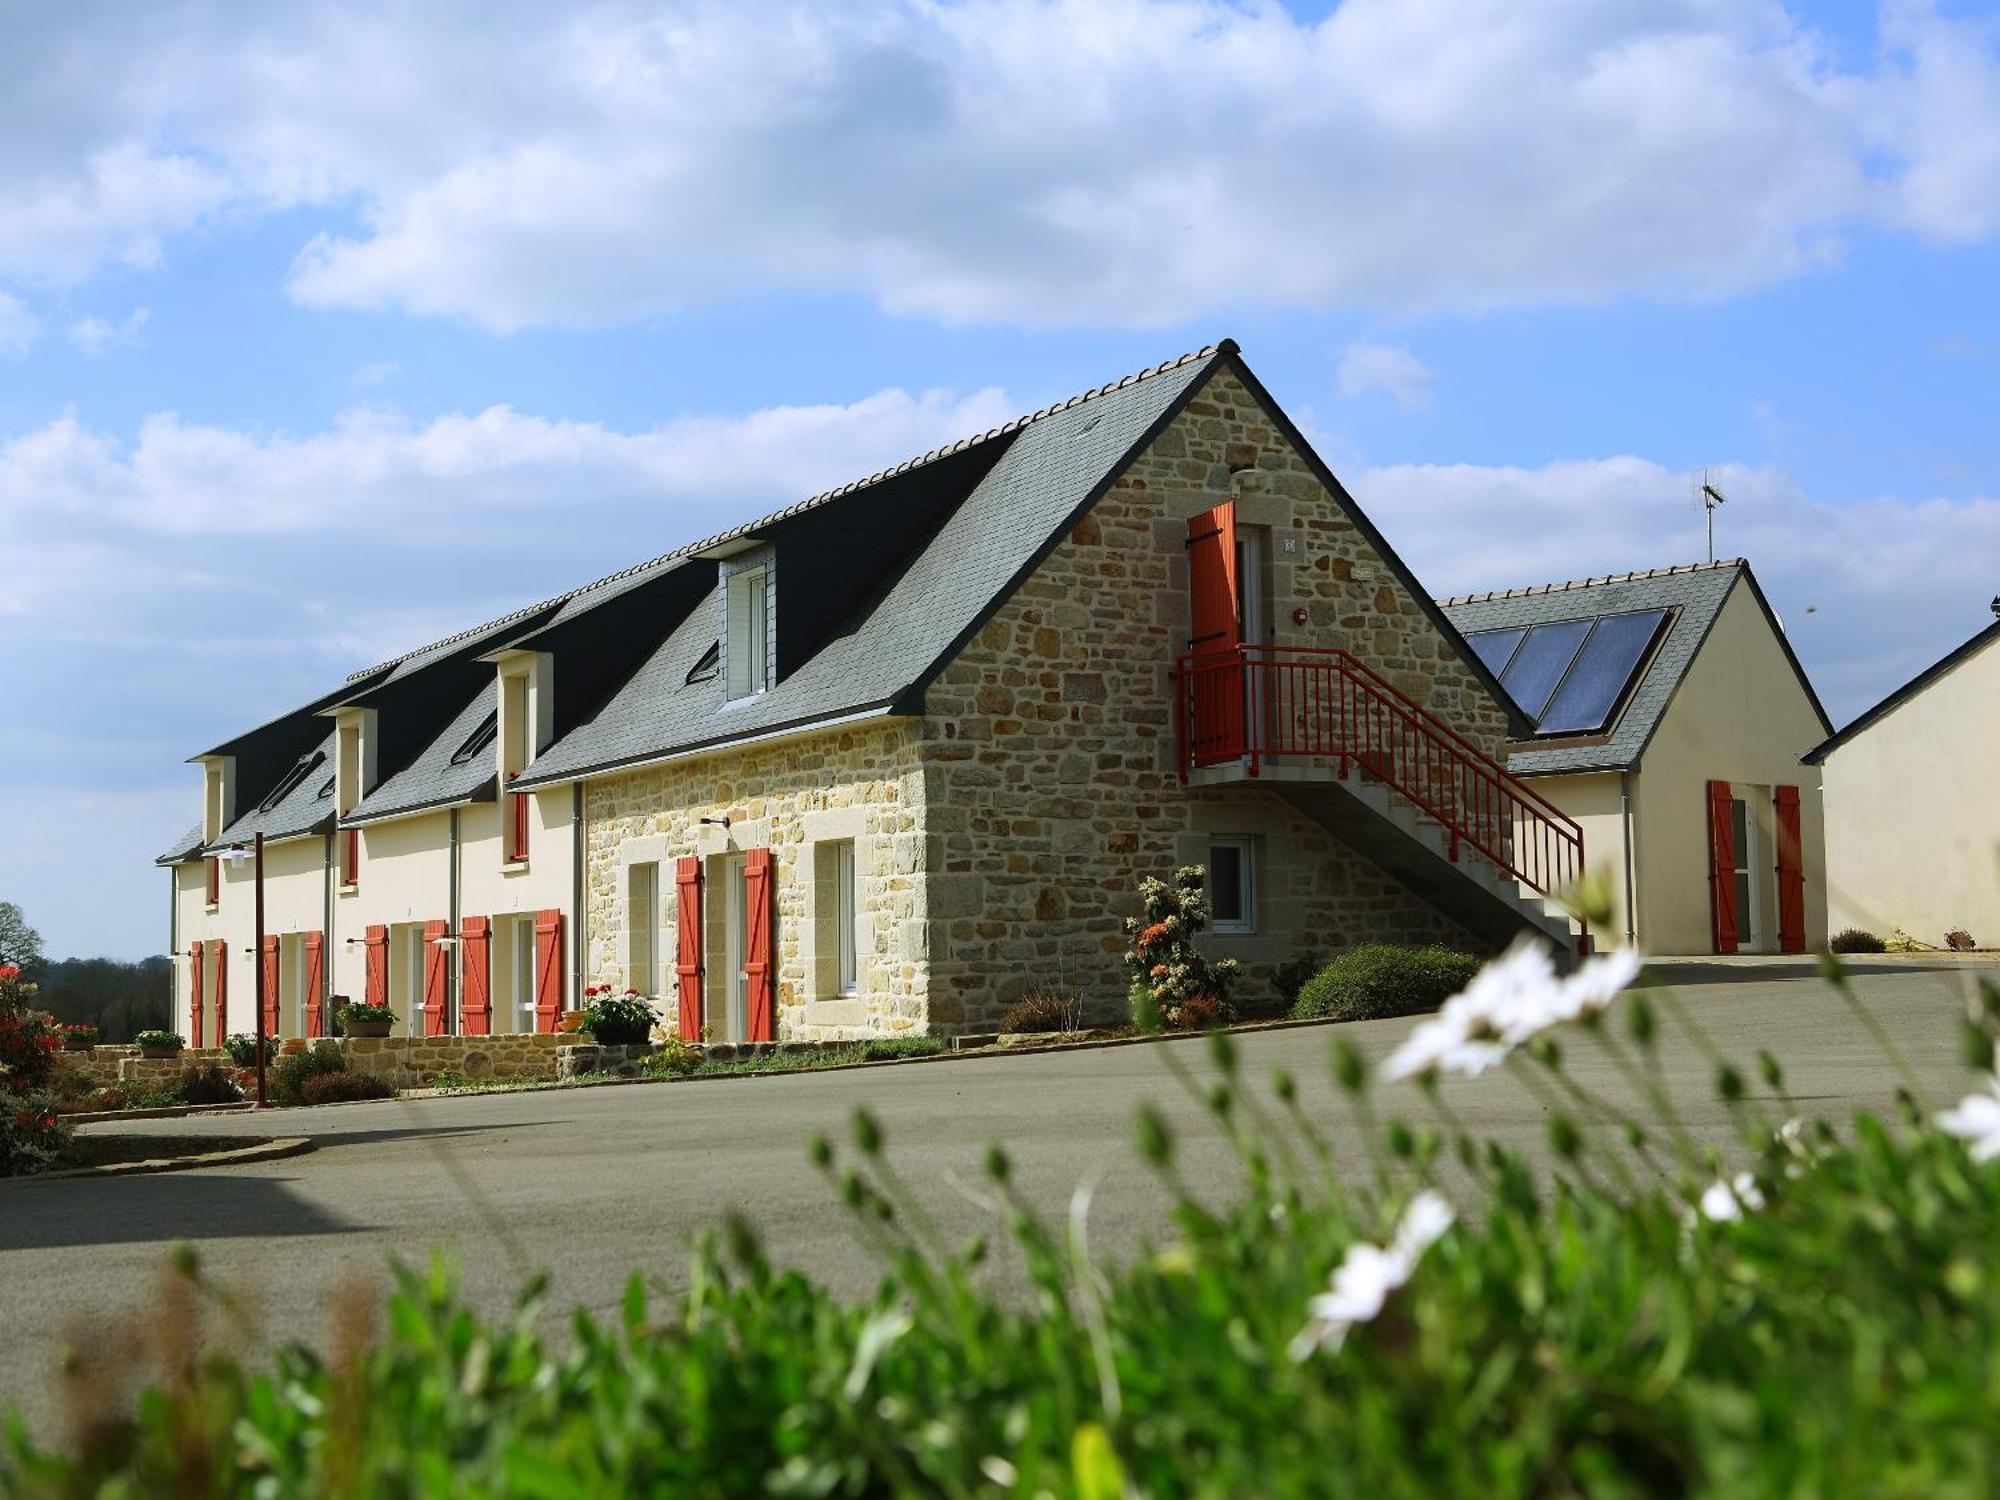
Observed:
{"x":1171,"y":978}
{"x":31,"y":1135}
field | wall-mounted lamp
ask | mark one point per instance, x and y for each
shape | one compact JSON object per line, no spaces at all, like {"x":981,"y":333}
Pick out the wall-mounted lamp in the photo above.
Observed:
{"x":446,"y":940}
{"x":721,"y":822}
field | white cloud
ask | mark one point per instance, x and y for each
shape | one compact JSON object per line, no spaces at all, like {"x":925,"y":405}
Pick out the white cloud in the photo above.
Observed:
{"x":1367,"y":368}
{"x":19,"y":328}
{"x":1021,"y":161}
{"x":93,"y":335}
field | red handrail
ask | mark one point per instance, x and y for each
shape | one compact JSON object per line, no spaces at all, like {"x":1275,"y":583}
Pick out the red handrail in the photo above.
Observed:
{"x":1259,"y":703}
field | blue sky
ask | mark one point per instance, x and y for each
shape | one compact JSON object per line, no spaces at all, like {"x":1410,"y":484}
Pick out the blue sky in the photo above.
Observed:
{"x":326,"y":330}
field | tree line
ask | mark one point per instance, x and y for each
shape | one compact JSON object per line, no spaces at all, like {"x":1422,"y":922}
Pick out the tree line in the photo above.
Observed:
{"x":118,"y":997}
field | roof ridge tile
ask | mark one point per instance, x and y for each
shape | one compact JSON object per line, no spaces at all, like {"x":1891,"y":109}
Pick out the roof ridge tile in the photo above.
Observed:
{"x":1531,"y":590}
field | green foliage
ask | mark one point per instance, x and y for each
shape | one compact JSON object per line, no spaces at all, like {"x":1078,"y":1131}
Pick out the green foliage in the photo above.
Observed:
{"x":161,"y":1041}
{"x":1381,"y":979}
{"x":1292,"y":975}
{"x":120,"y":998}
{"x":344,"y":1088}
{"x":209,"y":1083}
{"x":286,"y":1082}
{"x":1854,"y":940}
{"x":359,"y":1013}
{"x":1164,"y":961}
{"x":20,"y":944}
{"x":32,"y":1133}
{"x":618,"y":1020}
{"x":673,"y":1058}
{"x":242,"y":1049}
{"x":1045,"y":1008}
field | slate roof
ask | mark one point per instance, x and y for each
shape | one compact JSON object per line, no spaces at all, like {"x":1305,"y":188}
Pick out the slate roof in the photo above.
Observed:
{"x":1694,"y":593}
{"x":432,"y":779}
{"x":1055,"y":464}
{"x":300,"y":810}
{"x":1987,"y":637}
{"x":186,"y":847}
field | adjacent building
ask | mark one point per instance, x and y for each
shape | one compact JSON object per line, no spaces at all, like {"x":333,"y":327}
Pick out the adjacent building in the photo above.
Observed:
{"x":882,"y":761}
{"x":1668,"y":718}
{"x":1913,"y":804}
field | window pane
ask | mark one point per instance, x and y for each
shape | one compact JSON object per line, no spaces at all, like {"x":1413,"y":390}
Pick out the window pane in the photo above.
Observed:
{"x":1603,"y":670}
{"x":1493,"y":647}
{"x":845,"y":915}
{"x":1739,"y":832}
{"x":759,"y":623}
{"x":1225,"y":882}
{"x":1540,"y":663}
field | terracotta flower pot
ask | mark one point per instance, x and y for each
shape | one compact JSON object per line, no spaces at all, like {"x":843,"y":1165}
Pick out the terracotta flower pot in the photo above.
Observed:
{"x":160,"y":1054}
{"x":369,"y":1028}
{"x":77,"y":1044}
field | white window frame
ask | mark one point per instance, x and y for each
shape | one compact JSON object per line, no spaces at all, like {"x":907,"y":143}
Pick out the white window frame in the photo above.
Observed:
{"x":746,"y":633}
{"x":642,"y":916}
{"x":846,"y":918}
{"x":1246,"y":848}
{"x":522,"y":962}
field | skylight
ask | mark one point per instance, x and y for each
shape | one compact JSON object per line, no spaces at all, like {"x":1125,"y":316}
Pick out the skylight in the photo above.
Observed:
{"x":289,"y":784}
{"x":705,"y":669}
{"x":478,"y":740}
{"x":1570,"y":676}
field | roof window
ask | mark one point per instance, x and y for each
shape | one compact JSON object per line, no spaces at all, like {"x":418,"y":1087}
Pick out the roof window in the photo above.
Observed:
{"x":478,"y":740}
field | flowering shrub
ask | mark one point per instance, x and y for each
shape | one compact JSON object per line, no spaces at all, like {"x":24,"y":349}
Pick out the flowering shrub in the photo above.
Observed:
{"x":359,"y":1013}
{"x":1336,"y":1307}
{"x":80,"y":1036}
{"x":160,"y":1041}
{"x":622,"y":1020}
{"x":242,"y":1049}
{"x":1167,"y":969}
{"x":31,"y":1133}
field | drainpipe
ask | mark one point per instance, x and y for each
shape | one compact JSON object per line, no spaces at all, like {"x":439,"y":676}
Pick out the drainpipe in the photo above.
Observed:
{"x":576,"y":892}
{"x":456,"y":984}
{"x":1625,"y":812}
{"x":174,"y":948}
{"x":327,"y":949}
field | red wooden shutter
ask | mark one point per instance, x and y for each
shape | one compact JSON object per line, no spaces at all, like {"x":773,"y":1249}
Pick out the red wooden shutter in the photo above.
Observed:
{"x":434,"y":971}
{"x":517,"y":814}
{"x":1721,"y":867}
{"x":195,"y":997}
{"x":1791,"y":874}
{"x":548,"y":968}
{"x":687,"y":946}
{"x":315,"y":983}
{"x":757,"y":965}
{"x":214,"y":873}
{"x":475,"y":955}
{"x":221,"y":957}
{"x":376,"y":939}
{"x":1214,"y":703}
{"x":351,"y":853}
{"x":270,"y":986}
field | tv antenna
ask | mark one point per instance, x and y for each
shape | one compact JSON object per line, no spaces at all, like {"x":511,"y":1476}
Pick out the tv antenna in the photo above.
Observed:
{"x":1712,"y":499}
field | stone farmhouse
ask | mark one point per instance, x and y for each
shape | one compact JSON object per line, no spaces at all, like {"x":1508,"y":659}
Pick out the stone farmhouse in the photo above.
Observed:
{"x":1670,"y":718}
{"x":883,"y":760}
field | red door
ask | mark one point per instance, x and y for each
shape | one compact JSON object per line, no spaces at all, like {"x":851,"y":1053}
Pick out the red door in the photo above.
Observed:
{"x":195,"y":996}
{"x":1721,"y":867}
{"x":687,"y":946}
{"x":270,"y":986}
{"x":1213,"y":699}
{"x":315,"y":983}
{"x":757,"y":965}
{"x":1791,"y":873}
{"x":434,"y":972}
{"x":376,"y":946}
{"x":475,"y":948}
{"x":548,"y":969}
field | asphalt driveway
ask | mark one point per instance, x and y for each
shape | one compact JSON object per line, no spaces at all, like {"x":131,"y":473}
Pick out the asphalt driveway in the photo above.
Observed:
{"x":590,"y":1184}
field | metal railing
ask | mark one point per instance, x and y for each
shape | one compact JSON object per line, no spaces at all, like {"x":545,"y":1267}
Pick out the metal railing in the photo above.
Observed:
{"x":1254,"y":704}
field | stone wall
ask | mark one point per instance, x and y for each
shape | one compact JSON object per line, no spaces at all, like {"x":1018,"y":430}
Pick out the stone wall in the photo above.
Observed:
{"x":415,"y":1062}
{"x":1049,"y":741}
{"x":796,"y":797}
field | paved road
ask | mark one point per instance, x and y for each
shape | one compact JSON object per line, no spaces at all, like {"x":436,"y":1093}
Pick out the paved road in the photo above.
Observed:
{"x":590,"y":1184}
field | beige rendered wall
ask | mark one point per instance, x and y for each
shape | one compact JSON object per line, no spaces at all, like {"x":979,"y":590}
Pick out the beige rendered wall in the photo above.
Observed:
{"x":405,"y":870}
{"x":1739,"y":716}
{"x":1050,"y":739}
{"x":863,"y":783}
{"x":294,"y":896}
{"x":1594,"y":801}
{"x":1913,"y":812}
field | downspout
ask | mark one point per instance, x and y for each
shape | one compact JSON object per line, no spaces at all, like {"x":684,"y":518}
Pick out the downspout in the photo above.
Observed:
{"x":328,"y":946}
{"x":576,"y":892}
{"x":1625,"y":812}
{"x":174,"y":950}
{"x":454,"y":954}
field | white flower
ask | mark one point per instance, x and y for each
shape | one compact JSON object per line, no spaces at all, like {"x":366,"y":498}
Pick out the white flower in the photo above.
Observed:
{"x":1365,"y":1280}
{"x":1976,"y":1121}
{"x":1512,"y":1000}
{"x":1724,"y":1202}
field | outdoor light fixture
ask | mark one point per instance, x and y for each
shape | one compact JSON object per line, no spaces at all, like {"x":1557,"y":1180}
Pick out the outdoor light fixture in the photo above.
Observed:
{"x":443,"y":940}
{"x":721,"y":822}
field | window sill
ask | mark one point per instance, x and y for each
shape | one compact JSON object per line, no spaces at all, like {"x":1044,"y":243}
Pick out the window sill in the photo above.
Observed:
{"x":513,"y":866}
{"x":1231,"y":931}
{"x":212,"y":907}
{"x":352,"y":888}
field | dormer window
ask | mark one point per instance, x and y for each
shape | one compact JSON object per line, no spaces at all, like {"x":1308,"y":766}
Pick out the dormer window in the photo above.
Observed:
{"x":747,"y":630}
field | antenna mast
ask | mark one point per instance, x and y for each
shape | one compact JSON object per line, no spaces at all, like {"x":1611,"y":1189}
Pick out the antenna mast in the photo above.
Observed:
{"x":1711,"y":499}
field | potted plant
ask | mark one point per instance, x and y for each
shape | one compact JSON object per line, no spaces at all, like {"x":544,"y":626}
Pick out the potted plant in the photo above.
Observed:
{"x":618,"y":1020}
{"x":160,"y":1045}
{"x":365,"y":1020}
{"x":80,"y":1037}
{"x":242,"y":1049}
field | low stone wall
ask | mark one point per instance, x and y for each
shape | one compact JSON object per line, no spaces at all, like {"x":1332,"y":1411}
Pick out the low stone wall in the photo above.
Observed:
{"x":588,"y":1058}
{"x":415,"y":1062}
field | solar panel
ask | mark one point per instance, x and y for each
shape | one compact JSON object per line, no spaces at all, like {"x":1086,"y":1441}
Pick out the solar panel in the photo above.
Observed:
{"x":1602,"y":671}
{"x":1540,"y":662}
{"x":1493,"y":647}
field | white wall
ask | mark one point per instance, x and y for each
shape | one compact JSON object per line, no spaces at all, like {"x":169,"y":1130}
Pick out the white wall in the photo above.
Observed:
{"x":294,"y":897}
{"x":1913,"y":812}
